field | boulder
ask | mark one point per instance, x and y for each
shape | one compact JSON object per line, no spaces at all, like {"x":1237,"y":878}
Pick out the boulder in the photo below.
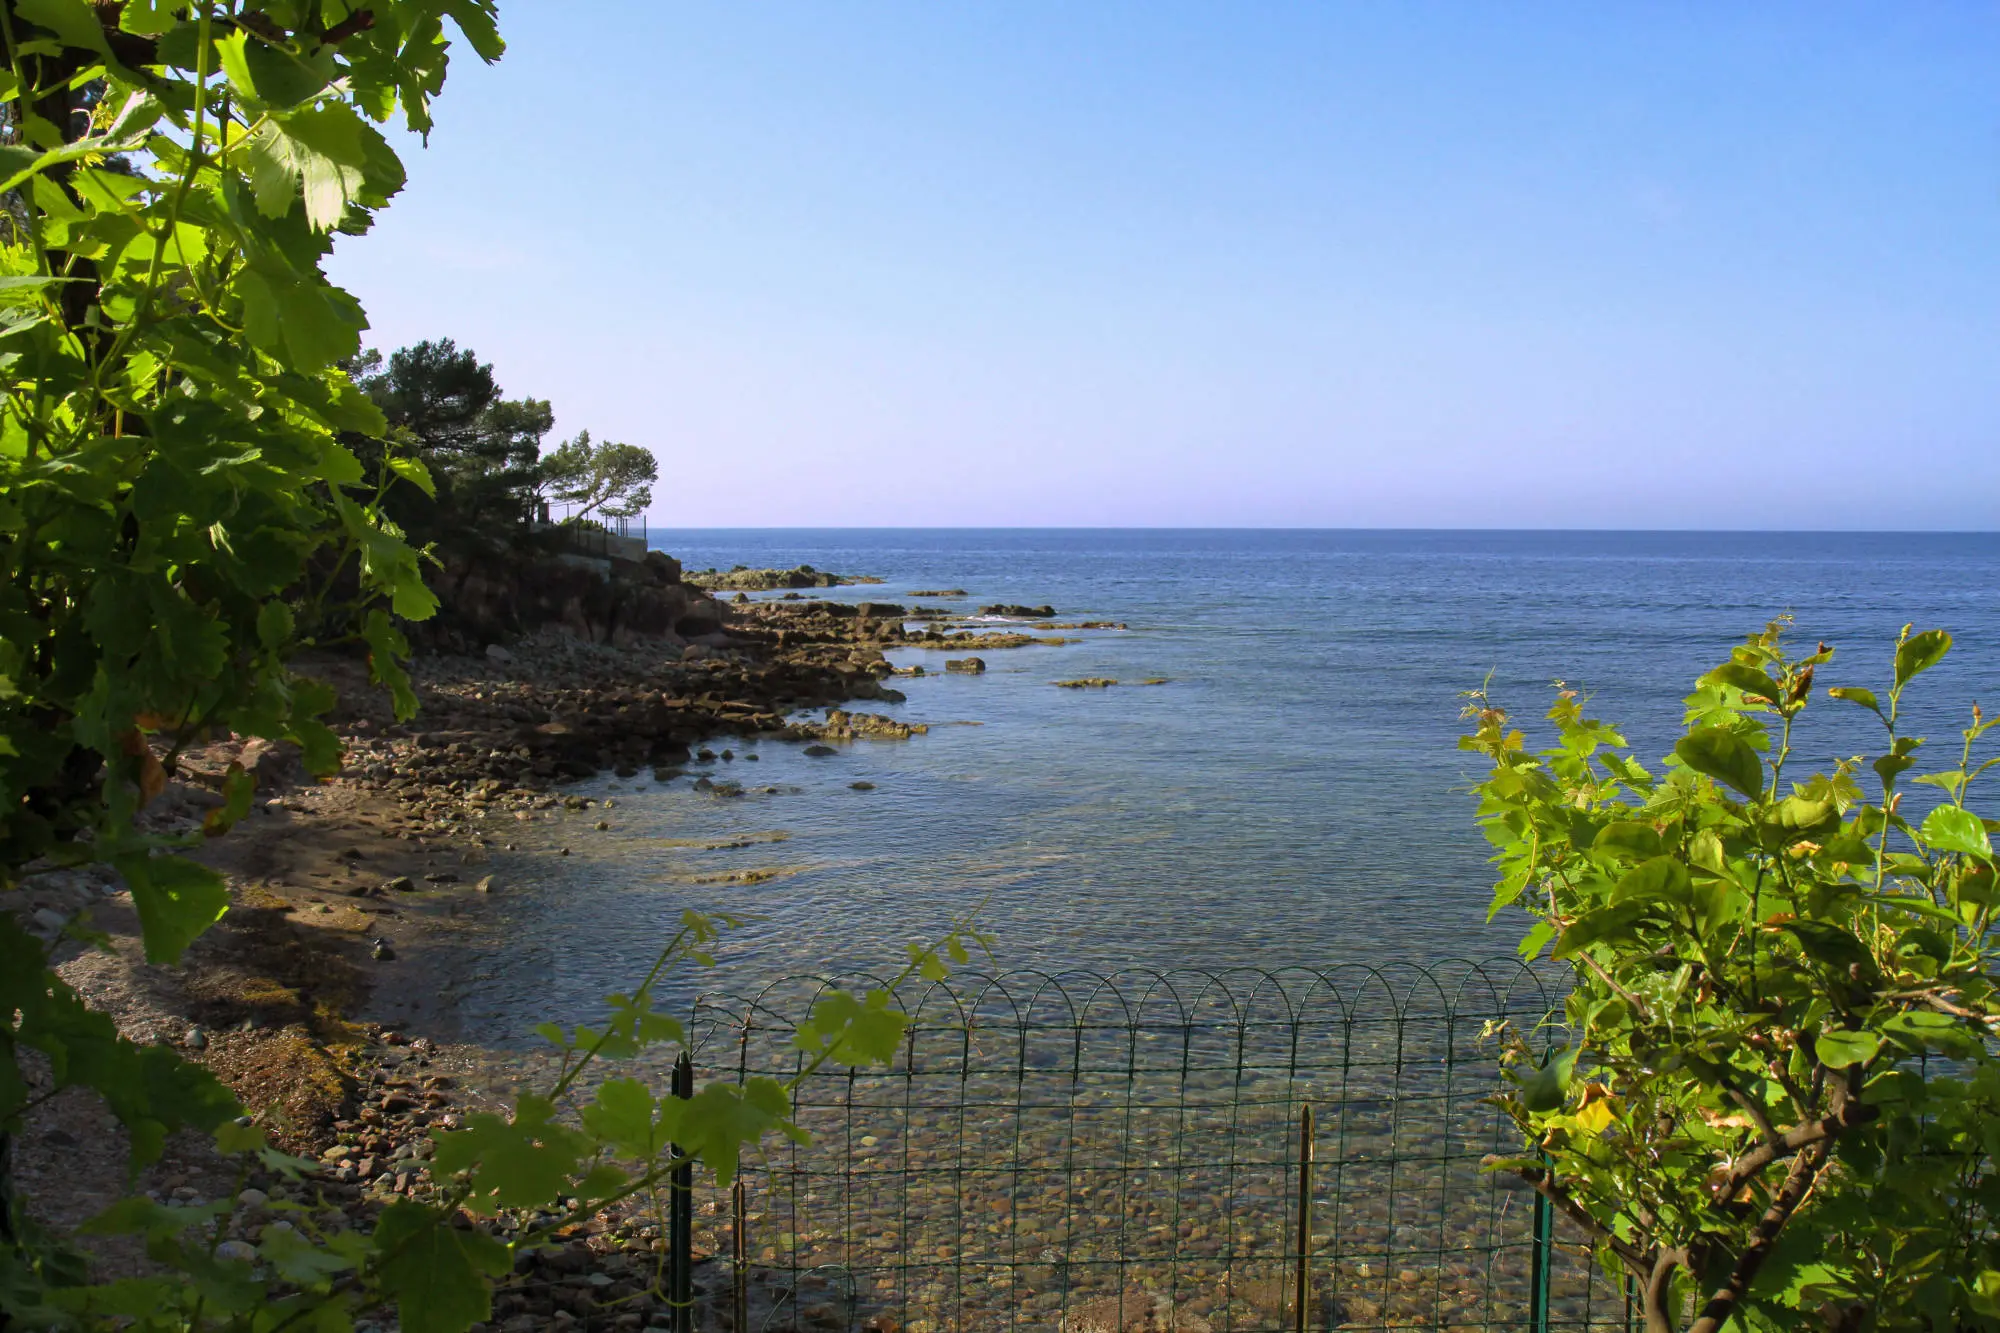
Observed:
{"x":1018,"y":612}
{"x":971,"y":666}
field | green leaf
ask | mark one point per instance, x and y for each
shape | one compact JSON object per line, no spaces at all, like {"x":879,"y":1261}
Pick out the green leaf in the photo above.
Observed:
{"x":622,"y":1114}
{"x":1919,"y":653}
{"x":475,"y":18}
{"x":1832,"y":945}
{"x":520,"y":1163}
{"x":1547,"y":1088}
{"x":274,"y":624}
{"x":853,"y":1031}
{"x":1854,"y":694}
{"x":1611,"y":923}
{"x":1662,"y":879}
{"x":413,"y":471}
{"x":176,"y":900}
{"x":718,"y":1122}
{"x":1723,"y":755}
{"x":147,"y":18}
{"x":71,"y":20}
{"x":1950,"y":828}
{"x":232,"y":50}
{"x":1747,"y":679}
{"x":438,"y":1275}
{"x":1627,"y":840}
{"x":1841,"y":1047}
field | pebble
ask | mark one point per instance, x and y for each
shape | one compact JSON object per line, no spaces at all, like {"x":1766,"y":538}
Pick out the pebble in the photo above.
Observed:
{"x":485,"y":884}
{"x":237,"y":1250}
{"x":196,"y":1039}
{"x":400,"y":884}
{"x":383,"y":951}
{"x":252,"y":1198}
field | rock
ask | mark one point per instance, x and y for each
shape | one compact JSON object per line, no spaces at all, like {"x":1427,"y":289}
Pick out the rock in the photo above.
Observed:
{"x":1137,"y":1311}
{"x":196,"y":1040}
{"x":383,"y":952}
{"x":49,"y":919}
{"x":495,"y":653}
{"x":862,"y":786}
{"x":846,"y":726}
{"x":937,"y":592}
{"x":400,"y":884}
{"x":439,"y":877}
{"x":971,"y":666}
{"x":252,"y":1198}
{"x":1086,"y":683}
{"x":237,"y":1251}
{"x":1018,"y":612}
{"x":485,"y":885}
{"x":275,"y":764}
{"x":820,"y":751}
{"x":765,"y":580}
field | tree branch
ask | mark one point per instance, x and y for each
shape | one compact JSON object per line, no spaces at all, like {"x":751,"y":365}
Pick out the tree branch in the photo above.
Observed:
{"x":1847,"y":1114}
{"x":1542,"y":1181}
{"x":1799,"y":1181}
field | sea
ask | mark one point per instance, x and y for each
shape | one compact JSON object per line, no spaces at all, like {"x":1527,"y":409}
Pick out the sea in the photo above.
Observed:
{"x":1292,"y":796}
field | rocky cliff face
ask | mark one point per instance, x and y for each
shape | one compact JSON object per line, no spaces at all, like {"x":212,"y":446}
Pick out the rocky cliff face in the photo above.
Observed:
{"x":497,"y":598}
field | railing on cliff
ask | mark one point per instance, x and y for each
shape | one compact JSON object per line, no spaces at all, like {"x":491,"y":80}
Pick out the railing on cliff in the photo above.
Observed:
{"x":1085,"y":1154}
{"x":598,"y":535}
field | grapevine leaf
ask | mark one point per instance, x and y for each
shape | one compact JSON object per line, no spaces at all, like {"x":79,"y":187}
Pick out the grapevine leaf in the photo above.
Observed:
{"x":437,"y":1274}
{"x":522,"y":1163}
{"x":718,"y":1122}
{"x":622,"y":1114}
{"x":413,"y":471}
{"x":176,"y":901}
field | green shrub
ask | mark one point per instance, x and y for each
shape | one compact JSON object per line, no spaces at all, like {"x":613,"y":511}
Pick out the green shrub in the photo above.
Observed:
{"x":1780,"y":1099}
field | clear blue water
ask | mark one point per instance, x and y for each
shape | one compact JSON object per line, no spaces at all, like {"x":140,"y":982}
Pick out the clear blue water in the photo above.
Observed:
{"x":1293,"y":796}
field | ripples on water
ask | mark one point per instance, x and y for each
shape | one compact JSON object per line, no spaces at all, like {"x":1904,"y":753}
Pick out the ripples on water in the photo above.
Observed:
{"x":1293,"y":797}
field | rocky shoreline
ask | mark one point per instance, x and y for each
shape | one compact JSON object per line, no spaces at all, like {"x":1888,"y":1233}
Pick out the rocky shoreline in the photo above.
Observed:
{"x":341,"y":887}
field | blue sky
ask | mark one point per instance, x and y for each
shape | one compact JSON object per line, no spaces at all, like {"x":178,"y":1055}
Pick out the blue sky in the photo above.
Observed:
{"x":1409,"y":265}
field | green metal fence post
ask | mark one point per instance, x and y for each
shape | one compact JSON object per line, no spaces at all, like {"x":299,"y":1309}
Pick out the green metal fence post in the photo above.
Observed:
{"x":1304,"y":1274}
{"x":680,"y":1220}
{"x":1542,"y":1254}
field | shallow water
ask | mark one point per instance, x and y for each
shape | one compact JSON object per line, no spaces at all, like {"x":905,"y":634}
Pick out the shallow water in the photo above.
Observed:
{"x":1292,"y":797}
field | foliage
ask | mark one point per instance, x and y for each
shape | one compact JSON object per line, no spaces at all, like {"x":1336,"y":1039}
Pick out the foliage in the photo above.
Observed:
{"x":178,"y":514}
{"x":1780,"y":1098}
{"x":175,"y":507}
{"x":443,"y":407}
{"x":561,"y":1156}
{"x":615,"y":480}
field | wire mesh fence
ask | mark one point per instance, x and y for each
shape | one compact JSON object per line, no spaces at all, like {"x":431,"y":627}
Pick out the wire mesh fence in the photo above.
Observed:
{"x":1183,"y":1150}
